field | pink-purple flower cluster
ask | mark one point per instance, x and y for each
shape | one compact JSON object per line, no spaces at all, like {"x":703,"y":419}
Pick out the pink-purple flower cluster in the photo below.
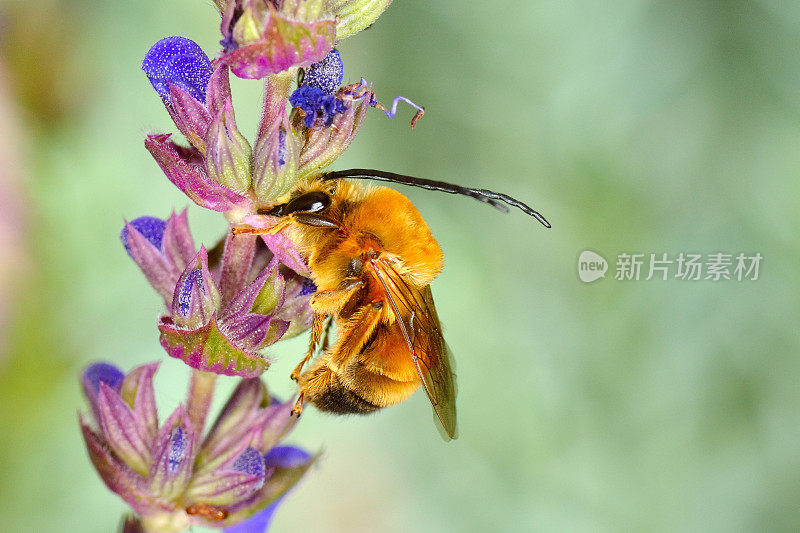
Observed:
{"x":175,"y":475}
{"x":222,"y":308}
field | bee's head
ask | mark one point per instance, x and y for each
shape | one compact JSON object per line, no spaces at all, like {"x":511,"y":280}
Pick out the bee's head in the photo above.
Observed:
{"x":307,"y":206}
{"x":315,"y":201}
{"x":310,"y":202}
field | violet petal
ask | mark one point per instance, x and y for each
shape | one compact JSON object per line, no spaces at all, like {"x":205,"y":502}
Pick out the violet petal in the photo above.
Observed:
{"x":93,"y":376}
{"x":250,"y":462}
{"x":259,"y":522}
{"x":151,"y":228}
{"x":326,"y":74}
{"x":179,"y":61}
{"x":286,"y":457}
{"x":157,"y":268}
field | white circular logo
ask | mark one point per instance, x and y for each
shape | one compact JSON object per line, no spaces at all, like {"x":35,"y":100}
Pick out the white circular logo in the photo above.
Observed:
{"x":591,"y":266}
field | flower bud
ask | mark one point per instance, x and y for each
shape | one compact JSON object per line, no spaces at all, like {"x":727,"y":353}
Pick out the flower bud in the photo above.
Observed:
{"x":224,"y":337}
{"x":227,"y":486}
{"x":228,"y":153}
{"x":196,"y":297}
{"x":260,"y":40}
{"x":160,"y":248}
{"x":173,"y":455}
{"x":151,"y":228}
{"x":277,"y":146}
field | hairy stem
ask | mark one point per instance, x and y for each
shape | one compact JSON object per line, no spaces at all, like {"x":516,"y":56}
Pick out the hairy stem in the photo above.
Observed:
{"x":201,"y":391}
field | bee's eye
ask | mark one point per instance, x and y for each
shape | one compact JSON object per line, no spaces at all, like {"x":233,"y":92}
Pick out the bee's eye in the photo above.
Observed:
{"x":312,"y":202}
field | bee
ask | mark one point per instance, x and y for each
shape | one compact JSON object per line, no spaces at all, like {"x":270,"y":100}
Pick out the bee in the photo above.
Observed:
{"x":372,"y":258}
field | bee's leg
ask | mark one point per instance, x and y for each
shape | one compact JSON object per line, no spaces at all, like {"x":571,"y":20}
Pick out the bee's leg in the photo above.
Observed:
{"x":316,"y":334}
{"x":297,"y":410}
{"x":331,"y":301}
{"x":325,"y":303}
{"x":326,"y":335}
{"x":277,"y":228}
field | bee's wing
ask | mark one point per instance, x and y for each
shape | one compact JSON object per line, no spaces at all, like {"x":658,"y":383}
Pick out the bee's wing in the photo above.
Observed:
{"x":419,"y":323}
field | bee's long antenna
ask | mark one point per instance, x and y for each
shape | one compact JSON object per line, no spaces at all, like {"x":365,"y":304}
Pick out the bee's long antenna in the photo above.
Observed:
{"x":490,"y":197}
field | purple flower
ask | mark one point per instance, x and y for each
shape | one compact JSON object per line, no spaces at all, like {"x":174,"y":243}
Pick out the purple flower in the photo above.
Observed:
{"x":323,"y":145}
{"x":181,"y":62}
{"x":221,"y":315}
{"x":308,"y":287}
{"x":225,"y":337}
{"x":162,"y":249}
{"x":286,"y":457}
{"x":168,"y":472}
{"x":316,"y":94}
{"x":279,"y":457}
{"x":102,"y":373}
{"x":326,"y":74}
{"x":151,"y":228}
{"x":318,"y":106}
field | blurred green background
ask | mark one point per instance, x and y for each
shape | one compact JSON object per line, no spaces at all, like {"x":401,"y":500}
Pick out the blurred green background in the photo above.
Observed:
{"x":634,"y":126}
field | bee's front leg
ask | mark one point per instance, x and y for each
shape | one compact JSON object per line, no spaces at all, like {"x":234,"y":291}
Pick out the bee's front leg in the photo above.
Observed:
{"x":266,"y":230}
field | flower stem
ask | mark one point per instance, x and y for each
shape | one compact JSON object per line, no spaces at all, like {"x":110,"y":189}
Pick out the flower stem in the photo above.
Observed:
{"x":201,"y":391}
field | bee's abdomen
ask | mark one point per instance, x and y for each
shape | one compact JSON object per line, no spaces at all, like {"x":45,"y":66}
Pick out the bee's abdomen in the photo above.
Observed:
{"x":334,"y":396}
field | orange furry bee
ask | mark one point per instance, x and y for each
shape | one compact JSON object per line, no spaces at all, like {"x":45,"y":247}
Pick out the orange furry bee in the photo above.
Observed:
{"x":373,"y":259}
